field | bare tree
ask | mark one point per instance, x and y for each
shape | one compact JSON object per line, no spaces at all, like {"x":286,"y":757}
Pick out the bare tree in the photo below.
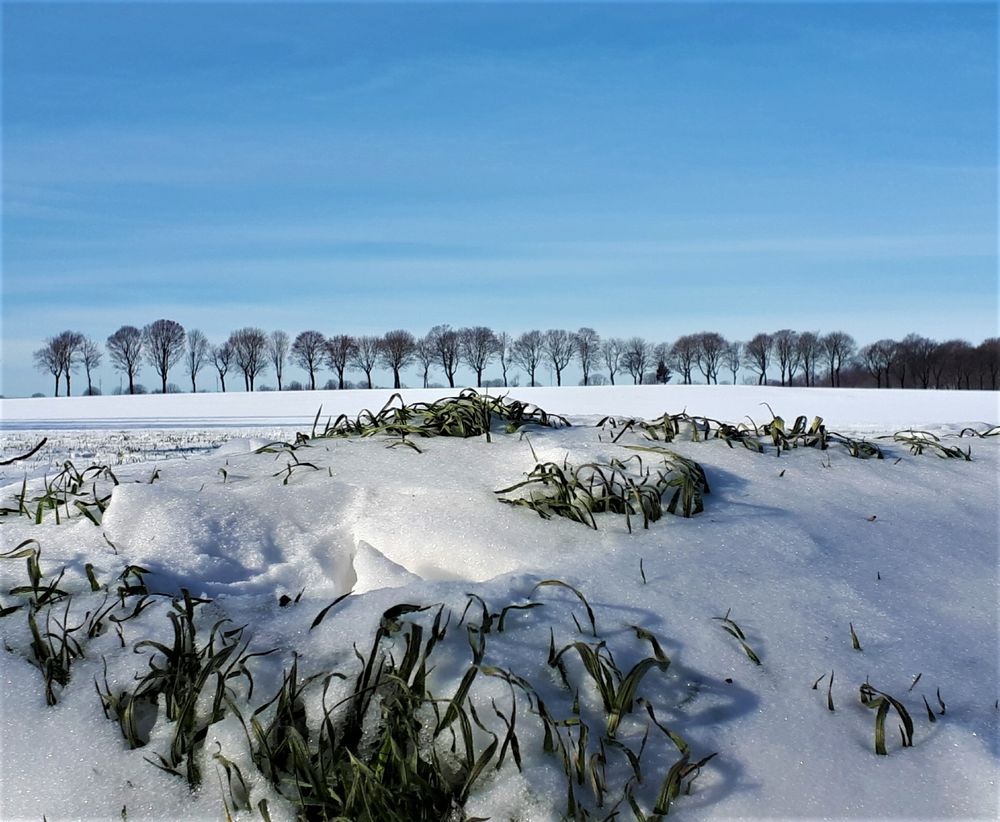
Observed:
{"x":919,"y":353}
{"x":945,"y":356}
{"x":477,"y":346}
{"x":164,"y":343}
{"x":711,"y":348}
{"x":47,"y":358}
{"x":839,"y":347}
{"x":307,"y":353}
{"x":988,"y":352}
{"x":505,"y":353}
{"x":684,"y":355}
{"x":888,"y":353}
{"x":588,"y":347}
{"x":527,"y":352}
{"x":70,"y":344}
{"x":635,"y":358}
{"x":90,"y":358}
{"x":277,"y":350}
{"x":197,"y":355}
{"x":64,"y":351}
{"x":809,"y":349}
{"x":339,"y":351}
{"x":366,"y":354}
{"x":445,"y":342}
{"x":868,"y":357}
{"x":560,"y":346}
{"x":125,"y":350}
{"x":396,"y":352}
{"x":786,"y":349}
{"x":877,"y":359}
{"x":757,"y":356}
{"x":426,"y":355}
{"x":222,"y":358}
{"x":955,"y":365}
{"x":733,"y":358}
{"x":249,"y":353}
{"x":611,"y":353}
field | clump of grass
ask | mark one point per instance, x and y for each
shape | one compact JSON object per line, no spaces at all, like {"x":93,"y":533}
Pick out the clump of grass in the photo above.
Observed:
{"x":881,"y":703}
{"x":53,"y":651}
{"x":183,"y":675}
{"x":919,"y":441}
{"x":579,"y":492}
{"x":751,"y":436}
{"x":390,"y":749}
{"x":379,"y":753}
{"x":470,"y":414}
{"x":667,"y":427}
{"x":71,"y":492}
{"x":37,"y":593}
{"x":617,"y":690}
{"x":570,"y":738}
{"x":55,"y":642}
{"x":815,"y":435}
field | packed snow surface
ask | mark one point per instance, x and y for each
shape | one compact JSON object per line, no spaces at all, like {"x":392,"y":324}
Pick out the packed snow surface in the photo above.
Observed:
{"x":800,"y":550}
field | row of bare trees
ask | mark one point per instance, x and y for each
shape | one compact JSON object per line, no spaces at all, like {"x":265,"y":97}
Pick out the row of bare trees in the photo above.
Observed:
{"x":791,"y":357}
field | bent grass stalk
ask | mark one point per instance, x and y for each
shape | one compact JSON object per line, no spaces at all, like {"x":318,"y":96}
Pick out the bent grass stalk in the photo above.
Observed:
{"x":881,"y":703}
{"x":734,"y":630}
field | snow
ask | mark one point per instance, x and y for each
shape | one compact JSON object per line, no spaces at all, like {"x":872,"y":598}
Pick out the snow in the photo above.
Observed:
{"x":795,"y":549}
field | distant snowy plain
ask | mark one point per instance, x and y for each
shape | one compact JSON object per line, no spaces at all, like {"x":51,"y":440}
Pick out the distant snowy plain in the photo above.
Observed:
{"x":799,"y":550}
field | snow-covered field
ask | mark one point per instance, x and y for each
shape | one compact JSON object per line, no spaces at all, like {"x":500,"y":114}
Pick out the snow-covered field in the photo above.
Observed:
{"x":805,"y":552}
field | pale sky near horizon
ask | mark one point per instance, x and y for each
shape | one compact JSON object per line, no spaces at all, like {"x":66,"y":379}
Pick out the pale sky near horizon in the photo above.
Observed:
{"x":650,"y":169}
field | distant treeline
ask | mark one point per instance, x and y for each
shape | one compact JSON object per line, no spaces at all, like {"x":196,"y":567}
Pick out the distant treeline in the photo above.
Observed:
{"x":785,"y":357}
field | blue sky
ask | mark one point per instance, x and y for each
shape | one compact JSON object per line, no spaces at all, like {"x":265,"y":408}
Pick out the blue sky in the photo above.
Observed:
{"x":651,"y":169}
